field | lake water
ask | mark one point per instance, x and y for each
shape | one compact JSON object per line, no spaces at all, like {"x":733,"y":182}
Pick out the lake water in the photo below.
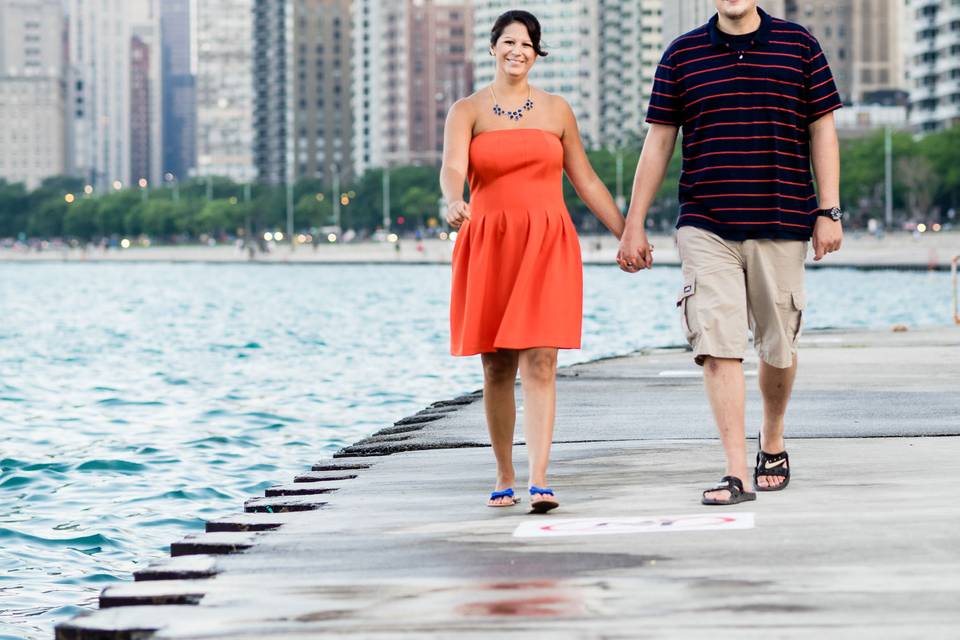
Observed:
{"x":137,"y":401}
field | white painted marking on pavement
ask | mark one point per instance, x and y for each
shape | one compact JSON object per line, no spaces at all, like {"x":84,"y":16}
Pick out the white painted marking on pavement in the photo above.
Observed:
{"x":686,"y":373}
{"x":649,"y":524}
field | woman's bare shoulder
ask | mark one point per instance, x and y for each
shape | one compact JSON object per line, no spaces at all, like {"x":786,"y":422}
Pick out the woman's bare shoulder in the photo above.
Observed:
{"x":555,"y":103}
{"x":468,"y":105}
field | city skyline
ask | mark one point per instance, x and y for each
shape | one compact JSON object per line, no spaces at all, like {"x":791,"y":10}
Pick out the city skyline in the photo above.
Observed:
{"x":147,"y":92}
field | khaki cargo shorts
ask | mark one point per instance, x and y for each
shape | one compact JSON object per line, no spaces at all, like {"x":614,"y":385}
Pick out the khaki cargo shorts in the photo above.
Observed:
{"x":732,"y":287}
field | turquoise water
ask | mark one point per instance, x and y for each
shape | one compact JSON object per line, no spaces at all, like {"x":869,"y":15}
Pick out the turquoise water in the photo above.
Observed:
{"x":136,"y":401}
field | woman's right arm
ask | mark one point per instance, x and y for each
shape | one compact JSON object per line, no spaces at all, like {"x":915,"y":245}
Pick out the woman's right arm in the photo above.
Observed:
{"x":457,"y":133}
{"x":655,"y":158}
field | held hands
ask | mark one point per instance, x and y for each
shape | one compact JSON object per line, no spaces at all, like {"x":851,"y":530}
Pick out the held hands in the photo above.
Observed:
{"x":827,"y":237}
{"x":458,"y":212}
{"x":635,"y":251}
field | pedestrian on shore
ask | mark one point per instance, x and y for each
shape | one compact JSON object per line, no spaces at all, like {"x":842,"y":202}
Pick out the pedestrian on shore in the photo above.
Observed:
{"x":517,"y":288}
{"x":754,"y":96}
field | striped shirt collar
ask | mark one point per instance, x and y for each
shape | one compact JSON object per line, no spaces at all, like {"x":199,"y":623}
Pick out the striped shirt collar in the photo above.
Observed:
{"x":763,"y":33}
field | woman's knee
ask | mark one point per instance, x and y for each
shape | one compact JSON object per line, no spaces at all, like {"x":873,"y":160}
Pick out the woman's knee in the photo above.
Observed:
{"x":499,"y":367}
{"x":540,"y":365}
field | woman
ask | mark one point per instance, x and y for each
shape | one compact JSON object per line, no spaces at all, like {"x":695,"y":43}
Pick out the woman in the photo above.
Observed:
{"x":517,"y":274}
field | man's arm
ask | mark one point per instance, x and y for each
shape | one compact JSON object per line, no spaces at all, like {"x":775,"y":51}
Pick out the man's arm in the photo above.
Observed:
{"x":635,"y":251}
{"x":825,"y":153}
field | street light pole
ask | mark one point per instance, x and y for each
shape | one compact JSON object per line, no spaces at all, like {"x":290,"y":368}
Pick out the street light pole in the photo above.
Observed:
{"x":621,"y":201}
{"x":888,"y":176}
{"x":336,"y":198}
{"x":293,"y":243}
{"x":386,"y":199}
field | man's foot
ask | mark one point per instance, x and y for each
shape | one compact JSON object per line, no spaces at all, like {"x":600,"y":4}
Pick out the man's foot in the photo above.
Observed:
{"x":772,"y":472}
{"x":728,"y":491}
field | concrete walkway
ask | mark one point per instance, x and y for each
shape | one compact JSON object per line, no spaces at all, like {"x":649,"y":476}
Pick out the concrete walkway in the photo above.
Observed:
{"x":391,"y":540}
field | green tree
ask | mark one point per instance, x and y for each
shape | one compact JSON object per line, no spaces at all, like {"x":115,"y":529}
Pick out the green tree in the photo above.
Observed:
{"x":943,"y":151}
{"x":112,"y":212}
{"x":159,"y":218}
{"x":419,"y":204}
{"x":81,"y":218}
{"x":220,"y":216}
{"x":46,"y":218}
{"x":313,"y":210}
{"x":14,"y":208}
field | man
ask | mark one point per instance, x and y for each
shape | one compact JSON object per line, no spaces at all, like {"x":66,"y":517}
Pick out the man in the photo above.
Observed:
{"x":754,"y":96}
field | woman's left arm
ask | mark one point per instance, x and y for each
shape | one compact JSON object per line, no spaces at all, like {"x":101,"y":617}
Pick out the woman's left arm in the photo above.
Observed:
{"x":584,"y":179}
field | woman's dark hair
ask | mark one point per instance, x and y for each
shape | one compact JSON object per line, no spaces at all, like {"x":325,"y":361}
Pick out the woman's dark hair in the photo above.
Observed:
{"x":525,"y":18}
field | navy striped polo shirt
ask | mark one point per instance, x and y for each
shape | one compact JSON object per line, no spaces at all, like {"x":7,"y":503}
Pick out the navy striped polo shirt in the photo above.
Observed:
{"x":745,"y":106}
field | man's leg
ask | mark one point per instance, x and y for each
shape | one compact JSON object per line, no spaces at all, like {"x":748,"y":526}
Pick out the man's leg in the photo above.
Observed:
{"x":775,"y":386}
{"x":775,"y":289}
{"x":727,"y":394}
{"x":713,"y":306}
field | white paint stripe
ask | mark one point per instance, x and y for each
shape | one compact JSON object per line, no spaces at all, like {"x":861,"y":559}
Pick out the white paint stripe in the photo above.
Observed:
{"x":686,"y":373}
{"x":551,"y":528}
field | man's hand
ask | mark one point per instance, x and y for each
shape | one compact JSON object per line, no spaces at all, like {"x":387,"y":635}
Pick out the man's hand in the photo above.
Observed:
{"x":635,"y":252}
{"x":457,"y":213}
{"x":827,"y":237}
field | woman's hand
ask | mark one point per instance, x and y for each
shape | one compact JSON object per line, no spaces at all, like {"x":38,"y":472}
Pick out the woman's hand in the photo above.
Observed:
{"x":635,"y":252}
{"x":458,"y":212}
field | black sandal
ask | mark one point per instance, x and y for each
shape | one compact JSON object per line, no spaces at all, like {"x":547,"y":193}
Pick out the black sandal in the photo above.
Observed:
{"x":772,"y":465}
{"x":734,"y":486}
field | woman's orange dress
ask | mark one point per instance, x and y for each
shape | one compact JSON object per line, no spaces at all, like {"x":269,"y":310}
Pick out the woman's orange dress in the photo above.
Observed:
{"x":517,"y":270}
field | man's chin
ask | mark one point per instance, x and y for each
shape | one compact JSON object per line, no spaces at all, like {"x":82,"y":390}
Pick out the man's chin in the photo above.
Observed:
{"x":735,"y":15}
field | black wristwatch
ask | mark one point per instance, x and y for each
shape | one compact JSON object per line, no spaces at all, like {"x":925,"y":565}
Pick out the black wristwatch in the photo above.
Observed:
{"x":835,"y":214}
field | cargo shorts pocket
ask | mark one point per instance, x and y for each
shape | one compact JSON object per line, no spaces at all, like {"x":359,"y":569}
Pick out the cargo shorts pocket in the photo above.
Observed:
{"x":690,"y":330}
{"x":792,"y":304}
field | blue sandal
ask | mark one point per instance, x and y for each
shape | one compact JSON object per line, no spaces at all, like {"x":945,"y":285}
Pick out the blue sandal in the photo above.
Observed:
{"x":544,"y":505}
{"x":506,"y":493}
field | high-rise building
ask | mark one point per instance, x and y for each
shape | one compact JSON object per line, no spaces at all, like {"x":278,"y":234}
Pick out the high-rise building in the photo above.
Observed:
{"x":303,"y":122}
{"x":651,"y":45}
{"x":680,"y":16}
{"x":223,"y":51}
{"x":140,"y":115}
{"x":602,"y":58}
{"x":862,"y":41}
{"x":323,"y":119}
{"x":146,"y":73}
{"x":618,"y":73}
{"x":935,"y":64}
{"x":32,"y":91}
{"x":179,"y":95}
{"x":273,"y":94}
{"x":411,"y":62}
{"x":107,"y":39}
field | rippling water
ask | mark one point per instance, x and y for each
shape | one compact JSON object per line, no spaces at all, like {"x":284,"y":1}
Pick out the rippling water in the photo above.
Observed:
{"x":136,"y":401}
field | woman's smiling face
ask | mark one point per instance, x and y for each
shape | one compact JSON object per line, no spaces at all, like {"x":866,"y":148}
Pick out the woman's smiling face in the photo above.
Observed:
{"x":514,"y":51}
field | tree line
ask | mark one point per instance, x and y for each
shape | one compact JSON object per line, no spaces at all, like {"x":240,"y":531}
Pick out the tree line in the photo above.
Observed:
{"x":926,"y":187}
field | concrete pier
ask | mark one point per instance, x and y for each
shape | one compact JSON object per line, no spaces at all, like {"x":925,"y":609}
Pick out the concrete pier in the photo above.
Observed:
{"x":391,"y":539}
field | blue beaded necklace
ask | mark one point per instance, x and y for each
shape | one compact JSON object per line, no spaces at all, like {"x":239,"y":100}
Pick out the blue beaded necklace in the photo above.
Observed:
{"x":515,"y":114}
